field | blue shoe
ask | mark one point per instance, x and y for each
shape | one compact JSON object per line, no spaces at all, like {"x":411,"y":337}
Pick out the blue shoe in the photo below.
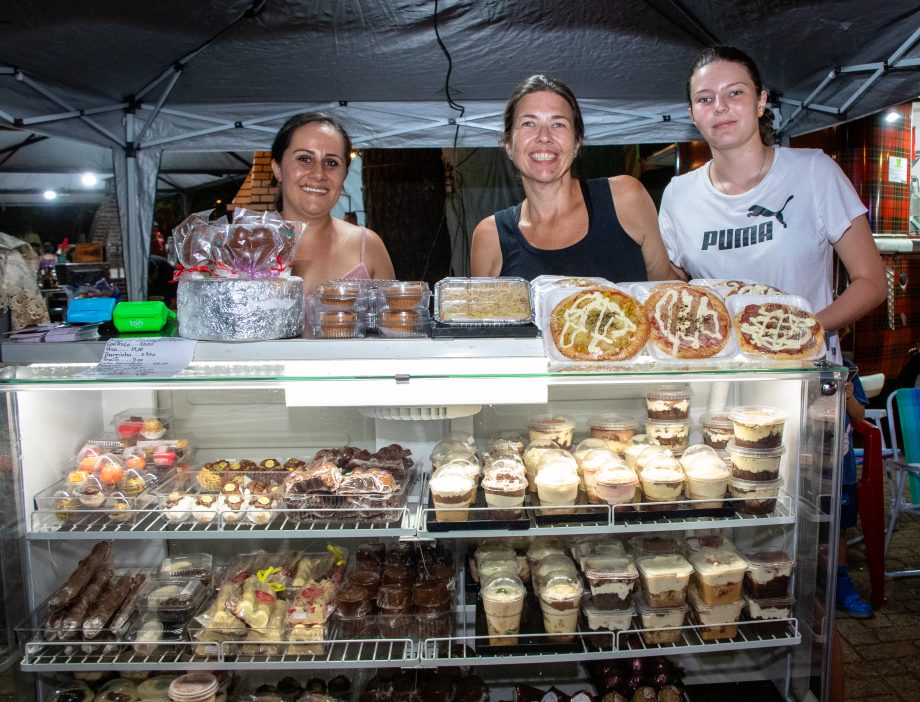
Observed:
{"x":849,"y":600}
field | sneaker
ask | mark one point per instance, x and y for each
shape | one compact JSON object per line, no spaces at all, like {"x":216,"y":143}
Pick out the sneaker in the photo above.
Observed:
{"x":849,"y":600}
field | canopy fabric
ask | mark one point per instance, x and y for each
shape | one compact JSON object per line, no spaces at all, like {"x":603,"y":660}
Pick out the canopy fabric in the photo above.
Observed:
{"x":223,"y":76}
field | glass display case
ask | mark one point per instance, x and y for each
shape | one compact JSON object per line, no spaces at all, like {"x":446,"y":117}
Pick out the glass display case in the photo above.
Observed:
{"x":277,"y":400}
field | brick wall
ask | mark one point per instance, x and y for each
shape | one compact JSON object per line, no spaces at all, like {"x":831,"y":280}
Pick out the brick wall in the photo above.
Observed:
{"x":257,"y":192}
{"x":106,"y":230}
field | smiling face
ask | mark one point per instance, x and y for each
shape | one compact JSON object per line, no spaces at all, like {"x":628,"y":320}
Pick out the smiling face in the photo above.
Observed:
{"x":542,"y":144}
{"x":725,"y":104}
{"x":312,"y":171}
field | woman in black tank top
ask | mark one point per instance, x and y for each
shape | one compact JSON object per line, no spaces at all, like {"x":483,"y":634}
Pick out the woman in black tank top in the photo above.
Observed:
{"x":605,"y":227}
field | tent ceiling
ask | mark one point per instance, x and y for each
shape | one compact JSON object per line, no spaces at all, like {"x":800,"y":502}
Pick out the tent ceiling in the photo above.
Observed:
{"x":381,"y":57}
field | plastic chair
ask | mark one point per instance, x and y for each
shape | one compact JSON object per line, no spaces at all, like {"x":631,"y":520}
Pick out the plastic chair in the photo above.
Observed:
{"x":903,"y":408}
{"x":870,"y":502}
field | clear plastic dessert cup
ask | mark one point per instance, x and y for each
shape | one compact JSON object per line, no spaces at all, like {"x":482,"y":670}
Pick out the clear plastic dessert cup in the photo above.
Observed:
{"x":759,"y":496}
{"x":718,"y":574}
{"x":533,"y":454}
{"x":664,"y":579}
{"x":758,"y":426}
{"x":604,"y":623}
{"x":754,"y":464}
{"x":503,"y":602}
{"x":615,"y":485}
{"x":769,"y":573}
{"x":717,"y":429}
{"x":593,"y":462}
{"x":553,"y":427}
{"x":706,"y":482}
{"x":662,"y":480}
{"x":668,"y":402}
{"x":616,"y":429}
{"x":557,"y":488}
{"x":560,"y":601}
{"x":660,"y":625}
{"x":672,"y":434}
{"x":639,"y":443}
{"x":721,"y":620}
{"x":612,"y":579}
{"x":655,"y":546}
{"x":452,"y":492}
{"x":771,"y":613}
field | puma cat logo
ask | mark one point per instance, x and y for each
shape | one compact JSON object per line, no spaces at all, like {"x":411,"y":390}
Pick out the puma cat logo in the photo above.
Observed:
{"x":761,"y":211}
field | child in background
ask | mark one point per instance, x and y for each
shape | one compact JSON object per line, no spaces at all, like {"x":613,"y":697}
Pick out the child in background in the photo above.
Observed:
{"x":848,"y":599}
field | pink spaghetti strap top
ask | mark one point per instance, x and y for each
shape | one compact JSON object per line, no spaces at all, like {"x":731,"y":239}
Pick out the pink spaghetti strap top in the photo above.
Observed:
{"x":360,"y":271}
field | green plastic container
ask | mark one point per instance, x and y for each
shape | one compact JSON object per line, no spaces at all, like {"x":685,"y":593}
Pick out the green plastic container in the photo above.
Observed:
{"x":135,"y":317}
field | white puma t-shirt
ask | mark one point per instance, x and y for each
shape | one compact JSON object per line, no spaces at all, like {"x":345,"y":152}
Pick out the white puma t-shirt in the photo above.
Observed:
{"x":780,"y":233}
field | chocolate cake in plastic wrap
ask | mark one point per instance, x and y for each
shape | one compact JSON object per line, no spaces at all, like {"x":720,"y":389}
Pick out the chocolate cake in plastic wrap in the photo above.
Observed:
{"x":235,"y":281}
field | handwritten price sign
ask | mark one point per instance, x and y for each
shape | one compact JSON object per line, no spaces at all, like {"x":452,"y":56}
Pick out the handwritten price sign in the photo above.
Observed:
{"x":143,"y":358}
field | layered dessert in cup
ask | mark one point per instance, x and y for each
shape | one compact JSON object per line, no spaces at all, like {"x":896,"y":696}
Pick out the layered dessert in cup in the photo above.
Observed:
{"x":718,"y":429}
{"x":721,"y":620}
{"x":452,"y":491}
{"x":672,"y":434}
{"x":589,"y":444}
{"x":560,"y":601}
{"x":504,"y":490}
{"x":670,"y":401}
{"x":822,"y":425}
{"x":758,"y":496}
{"x":769,"y":612}
{"x":506,"y":441}
{"x":660,"y":625}
{"x":593,"y":461}
{"x":754,"y":464}
{"x":503,"y":602}
{"x":639,"y":443}
{"x":553,"y":564}
{"x":662,"y":479}
{"x":541,"y":548}
{"x":718,"y":574}
{"x":615,"y":485}
{"x":616,"y":429}
{"x":664,"y":579}
{"x":604,"y":623}
{"x":557,"y":486}
{"x":758,"y":426}
{"x":612,"y":579}
{"x":468,"y":466}
{"x":769,"y":573}
{"x":533,"y":454}
{"x":552,"y":427}
{"x":706,"y":480}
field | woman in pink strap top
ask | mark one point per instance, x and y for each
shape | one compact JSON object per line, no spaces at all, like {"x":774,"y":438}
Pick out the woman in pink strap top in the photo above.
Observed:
{"x":310,"y":158}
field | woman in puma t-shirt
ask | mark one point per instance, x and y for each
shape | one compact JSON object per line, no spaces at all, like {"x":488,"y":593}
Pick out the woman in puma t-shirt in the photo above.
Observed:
{"x":310,"y":158}
{"x":762,"y":212}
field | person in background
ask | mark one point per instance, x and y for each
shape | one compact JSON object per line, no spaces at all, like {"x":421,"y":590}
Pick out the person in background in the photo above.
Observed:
{"x":160,"y":283}
{"x":848,"y":599}
{"x":310,"y":158}
{"x":767,"y":213}
{"x":605,"y":227}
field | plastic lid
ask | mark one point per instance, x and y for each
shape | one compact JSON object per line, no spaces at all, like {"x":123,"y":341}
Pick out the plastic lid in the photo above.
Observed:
{"x":339,"y":290}
{"x":754,"y":415}
{"x":648,"y":453}
{"x":621,"y":567}
{"x":650,"y":545}
{"x":736,"y":450}
{"x":612,"y":421}
{"x":560,"y":586}
{"x":664,"y":465}
{"x":752,"y":485}
{"x":599,"y":459}
{"x":772,"y":602}
{"x":616,"y":475}
{"x":503,"y":585}
{"x":555,"y":563}
{"x":715,"y":562}
{"x":695,"y":452}
{"x":549,"y":422}
{"x":403,"y":287}
{"x":706,"y":470}
{"x":191,"y":565}
{"x":593,"y":546}
{"x":174,"y":595}
{"x":718,"y":420}
{"x":661,"y":565}
{"x":192,"y":686}
{"x":585,"y":445}
{"x":768,"y":558}
{"x":540,"y":549}
{"x":669,"y":392}
{"x":701,"y":541}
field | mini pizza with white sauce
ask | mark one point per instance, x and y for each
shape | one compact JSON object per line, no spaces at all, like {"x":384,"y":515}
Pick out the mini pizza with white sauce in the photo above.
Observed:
{"x":599,"y":324}
{"x":687,"y":321}
{"x":743,"y":287}
{"x":779,"y":331}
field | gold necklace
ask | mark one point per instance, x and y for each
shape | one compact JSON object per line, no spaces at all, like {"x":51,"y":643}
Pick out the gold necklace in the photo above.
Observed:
{"x":756,"y":178}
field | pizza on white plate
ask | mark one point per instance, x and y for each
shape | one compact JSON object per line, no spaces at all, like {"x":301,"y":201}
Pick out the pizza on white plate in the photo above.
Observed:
{"x":598,"y":324}
{"x":687,"y":321}
{"x":779,"y":331}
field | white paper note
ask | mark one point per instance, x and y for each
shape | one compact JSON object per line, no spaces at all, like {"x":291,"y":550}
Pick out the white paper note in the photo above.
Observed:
{"x":143,"y":358}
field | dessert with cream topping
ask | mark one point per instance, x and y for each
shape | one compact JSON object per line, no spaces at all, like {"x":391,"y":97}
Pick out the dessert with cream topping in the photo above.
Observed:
{"x":617,"y":430}
{"x":754,"y":464}
{"x":552,"y":427}
{"x":612,"y":579}
{"x":668,"y":402}
{"x":664,"y":579}
{"x":557,"y":486}
{"x":452,"y":492}
{"x":602,"y":621}
{"x":718,"y":575}
{"x":662,"y":623}
{"x":769,"y":573}
{"x":759,"y":496}
{"x":672,"y":434}
{"x":718,"y":430}
{"x":560,"y":600}
{"x":758,"y":426}
{"x":720,"y":619}
{"x":662,"y":479}
{"x":769,"y":611}
{"x":636,"y":446}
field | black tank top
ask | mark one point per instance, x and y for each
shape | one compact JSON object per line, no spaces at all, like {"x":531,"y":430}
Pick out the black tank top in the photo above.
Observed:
{"x":606,"y":251}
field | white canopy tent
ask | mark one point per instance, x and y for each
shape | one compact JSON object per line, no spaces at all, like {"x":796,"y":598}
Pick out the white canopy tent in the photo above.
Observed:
{"x":150,"y":79}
